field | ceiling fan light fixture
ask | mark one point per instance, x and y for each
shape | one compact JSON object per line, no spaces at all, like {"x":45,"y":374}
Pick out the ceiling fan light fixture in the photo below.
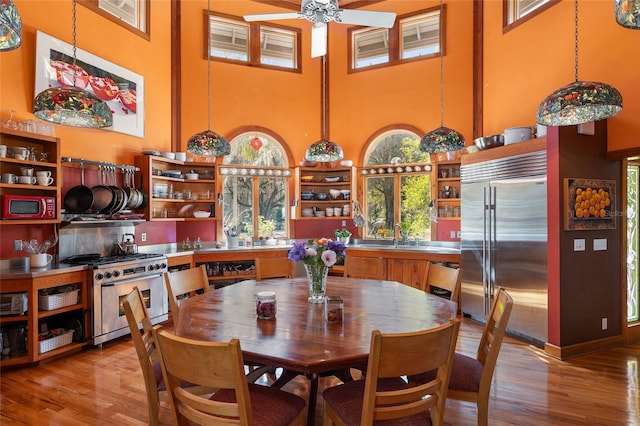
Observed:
{"x":442,"y":139}
{"x":324,"y":151}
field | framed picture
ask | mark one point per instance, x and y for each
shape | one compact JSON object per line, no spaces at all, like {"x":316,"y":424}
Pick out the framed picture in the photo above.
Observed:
{"x":590,"y":204}
{"x":121,"y":89}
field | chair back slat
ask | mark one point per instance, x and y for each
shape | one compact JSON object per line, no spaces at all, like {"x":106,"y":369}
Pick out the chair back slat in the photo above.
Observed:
{"x":445,"y":278}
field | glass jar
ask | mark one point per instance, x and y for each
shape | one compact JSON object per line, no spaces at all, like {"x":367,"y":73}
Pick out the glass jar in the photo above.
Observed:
{"x":266,"y":305}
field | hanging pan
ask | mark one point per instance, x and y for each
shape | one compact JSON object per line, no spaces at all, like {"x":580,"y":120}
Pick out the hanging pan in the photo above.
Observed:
{"x":78,"y":199}
{"x":102,"y":194}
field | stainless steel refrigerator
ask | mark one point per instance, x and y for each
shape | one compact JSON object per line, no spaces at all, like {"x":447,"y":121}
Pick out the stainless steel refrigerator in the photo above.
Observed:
{"x":504,"y":240}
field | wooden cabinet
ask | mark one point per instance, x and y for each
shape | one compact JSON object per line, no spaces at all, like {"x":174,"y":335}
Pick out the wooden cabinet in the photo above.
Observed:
{"x":46,"y":157}
{"x":445,"y":181}
{"x":323,"y":193}
{"x":73,"y":315}
{"x":371,"y":267}
{"x":172,"y":196}
{"x":410,"y":272}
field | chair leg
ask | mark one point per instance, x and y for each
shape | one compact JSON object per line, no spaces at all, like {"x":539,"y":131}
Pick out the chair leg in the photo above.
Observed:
{"x":483,"y":412}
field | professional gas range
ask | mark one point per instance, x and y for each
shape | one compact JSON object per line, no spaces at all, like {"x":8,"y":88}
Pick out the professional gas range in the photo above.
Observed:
{"x":113,"y":278}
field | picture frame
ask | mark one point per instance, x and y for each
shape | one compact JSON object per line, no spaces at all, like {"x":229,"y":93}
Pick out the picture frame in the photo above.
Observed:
{"x":590,"y":204}
{"x":125,"y":94}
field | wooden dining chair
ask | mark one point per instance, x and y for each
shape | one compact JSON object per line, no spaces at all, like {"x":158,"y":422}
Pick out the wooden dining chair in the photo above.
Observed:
{"x":471,"y":377}
{"x":185,"y":283}
{"x":220,"y":365}
{"x":137,"y":315}
{"x":273,"y":268}
{"x":443,"y":281}
{"x":383,"y":394}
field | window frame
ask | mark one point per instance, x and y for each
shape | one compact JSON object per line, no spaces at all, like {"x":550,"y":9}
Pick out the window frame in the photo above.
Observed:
{"x":506,"y":5}
{"x":366,"y":174}
{"x":146,"y":34}
{"x":395,"y":42}
{"x":256,"y":173}
{"x":253,"y":41}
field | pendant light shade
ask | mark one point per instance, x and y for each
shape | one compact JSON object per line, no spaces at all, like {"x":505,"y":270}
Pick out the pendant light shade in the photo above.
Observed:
{"x":581,"y":101}
{"x":10,"y":26}
{"x":208,"y":143}
{"x":70,"y":105}
{"x":324,"y":151}
{"x":628,"y":13}
{"x":442,"y":139}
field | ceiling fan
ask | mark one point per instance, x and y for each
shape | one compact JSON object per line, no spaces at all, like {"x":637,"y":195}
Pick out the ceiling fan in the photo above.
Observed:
{"x":320,"y":12}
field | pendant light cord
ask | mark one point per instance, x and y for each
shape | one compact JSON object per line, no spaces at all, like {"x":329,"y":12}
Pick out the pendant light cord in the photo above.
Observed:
{"x":324,"y":99}
{"x":209,"y":70}
{"x":576,"y":40}
{"x":73,"y":34}
{"x":441,"y":70}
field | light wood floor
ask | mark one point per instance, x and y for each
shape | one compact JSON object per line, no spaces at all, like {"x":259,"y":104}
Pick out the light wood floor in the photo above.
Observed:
{"x":105,"y":386}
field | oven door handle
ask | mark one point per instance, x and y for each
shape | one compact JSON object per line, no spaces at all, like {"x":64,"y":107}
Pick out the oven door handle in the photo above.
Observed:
{"x":130,"y":280}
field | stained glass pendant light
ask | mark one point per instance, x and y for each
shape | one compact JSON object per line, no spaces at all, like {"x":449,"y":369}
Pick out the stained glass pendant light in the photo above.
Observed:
{"x":208,"y":143}
{"x":628,"y":13}
{"x":10,"y":26}
{"x":442,"y":139}
{"x":72,"y":106}
{"x":581,"y":101}
{"x":324,"y":150}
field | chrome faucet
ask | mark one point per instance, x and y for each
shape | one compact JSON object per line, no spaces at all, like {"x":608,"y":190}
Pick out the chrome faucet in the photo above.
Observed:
{"x":396,"y":227}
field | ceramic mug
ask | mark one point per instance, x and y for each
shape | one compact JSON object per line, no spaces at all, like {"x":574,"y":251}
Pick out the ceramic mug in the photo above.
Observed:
{"x":3,"y":151}
{"x":9,"y":178}
{"x":20,"y":152}
{"x":27,"y":180}
{"x":43,"y":173}
{"x":39,"y":260}
{"x":26,"y":171}
{"x":44,"y":180}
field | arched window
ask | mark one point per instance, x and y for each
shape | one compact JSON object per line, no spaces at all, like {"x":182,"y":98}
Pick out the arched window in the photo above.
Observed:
{"x":255,"y":187}
{"x":397,"y":187}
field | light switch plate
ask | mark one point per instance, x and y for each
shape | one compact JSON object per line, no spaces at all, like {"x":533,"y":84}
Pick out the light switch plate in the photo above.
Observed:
{"x":579,"y":244}
{"x":599,"y":244}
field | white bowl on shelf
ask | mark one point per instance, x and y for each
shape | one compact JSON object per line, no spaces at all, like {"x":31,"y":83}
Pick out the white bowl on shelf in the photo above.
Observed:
{"x":169,"y":155}
{"x":201,"y":214}
{"x":191,"y":176}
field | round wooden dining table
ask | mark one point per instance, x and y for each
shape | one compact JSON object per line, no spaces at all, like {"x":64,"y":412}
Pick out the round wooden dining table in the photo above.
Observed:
{"x":299,"y":339}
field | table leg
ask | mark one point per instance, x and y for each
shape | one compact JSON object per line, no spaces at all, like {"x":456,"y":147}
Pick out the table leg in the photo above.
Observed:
{"x":313,"y":397}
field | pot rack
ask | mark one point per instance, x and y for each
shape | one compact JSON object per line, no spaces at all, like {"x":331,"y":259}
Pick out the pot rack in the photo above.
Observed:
{"x":97,"y":164}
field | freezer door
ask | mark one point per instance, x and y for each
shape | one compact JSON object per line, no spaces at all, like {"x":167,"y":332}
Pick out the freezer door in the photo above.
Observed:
{"x":518,"y":260}
{"x":474,"y":248}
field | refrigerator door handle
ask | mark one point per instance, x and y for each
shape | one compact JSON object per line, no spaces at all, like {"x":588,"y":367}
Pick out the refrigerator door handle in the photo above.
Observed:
{"x":492,"y":243}
{"x":486,"y":247}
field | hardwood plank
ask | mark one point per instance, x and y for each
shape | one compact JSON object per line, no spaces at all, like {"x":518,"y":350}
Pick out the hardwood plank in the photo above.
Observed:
{"x":105,"y":386}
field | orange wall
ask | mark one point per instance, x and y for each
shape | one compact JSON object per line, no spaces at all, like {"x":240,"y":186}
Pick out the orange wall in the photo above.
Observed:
{"x":529,"y":62}
{"x":98,"y":36}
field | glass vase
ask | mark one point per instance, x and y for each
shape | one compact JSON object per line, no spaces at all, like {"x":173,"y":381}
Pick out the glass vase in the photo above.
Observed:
{"x":317,"y":278}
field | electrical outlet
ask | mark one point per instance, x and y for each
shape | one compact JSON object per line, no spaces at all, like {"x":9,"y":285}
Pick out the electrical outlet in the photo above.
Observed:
{"x":579,"y":244}
{"x":17,"y":245}
{"x":143,"y":237}
{"x":599,"y":244}
{"x":344,"y":223}
{"x":453,"y":234}
{"x":604,"y":323}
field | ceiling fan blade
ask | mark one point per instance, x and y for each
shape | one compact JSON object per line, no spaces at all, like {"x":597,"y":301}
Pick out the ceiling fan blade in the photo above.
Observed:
{"x":271,"y":16}
{"x":318,"y":39}
{"x":366,"y":17}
